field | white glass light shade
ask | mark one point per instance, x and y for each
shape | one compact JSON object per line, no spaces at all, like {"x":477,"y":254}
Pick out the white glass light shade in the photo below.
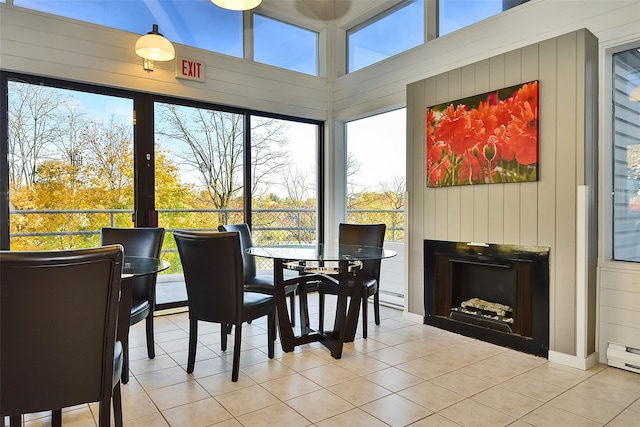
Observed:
{"x":635,"y":94}
{"x":155,"y":47}
{"x":237,"y":4}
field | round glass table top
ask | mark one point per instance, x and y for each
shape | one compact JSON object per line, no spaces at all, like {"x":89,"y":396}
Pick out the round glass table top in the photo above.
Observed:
{"x":321,"y":252}
{"x":133,"y":266}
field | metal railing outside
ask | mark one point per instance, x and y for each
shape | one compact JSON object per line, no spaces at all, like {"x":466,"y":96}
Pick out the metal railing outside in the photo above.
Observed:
{"x":68,"y":229}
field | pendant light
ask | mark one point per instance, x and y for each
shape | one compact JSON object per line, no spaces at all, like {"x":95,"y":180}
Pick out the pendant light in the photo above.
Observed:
{"x":237,"y":4}
{"x":154,"y":47}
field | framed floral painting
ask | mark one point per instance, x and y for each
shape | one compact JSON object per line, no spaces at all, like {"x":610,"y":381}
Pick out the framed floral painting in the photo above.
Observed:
{"x":484,"y":139}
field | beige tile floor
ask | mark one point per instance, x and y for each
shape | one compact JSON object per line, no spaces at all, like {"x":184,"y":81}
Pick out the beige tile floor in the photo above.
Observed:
{"x":403,"y":374}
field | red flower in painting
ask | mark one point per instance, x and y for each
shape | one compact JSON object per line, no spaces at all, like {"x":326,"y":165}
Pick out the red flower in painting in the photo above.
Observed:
{"x":528,"y":93}
{"x":470,"y":169}
{"x":522,"y":132}
{"x":453,"y":127}
{"x":492,"y":142}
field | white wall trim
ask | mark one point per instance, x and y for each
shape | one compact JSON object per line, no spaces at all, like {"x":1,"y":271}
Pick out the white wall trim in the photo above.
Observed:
{"x":574,"y":361}
{"x":582,"y":243}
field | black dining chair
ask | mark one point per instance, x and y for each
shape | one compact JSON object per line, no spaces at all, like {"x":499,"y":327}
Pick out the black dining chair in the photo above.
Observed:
{"x":366,"y":235}
{"x":144,"y":242}
{"x":58,"y":315}
{"x":213,"y":273}
{"x":254,"y":282}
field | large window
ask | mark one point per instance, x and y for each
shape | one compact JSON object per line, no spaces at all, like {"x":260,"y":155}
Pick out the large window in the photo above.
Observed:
{"x":396,"y":31}
{"x":626,"y":156}
{"x":284,"y":45}
{"x":76,"y":163}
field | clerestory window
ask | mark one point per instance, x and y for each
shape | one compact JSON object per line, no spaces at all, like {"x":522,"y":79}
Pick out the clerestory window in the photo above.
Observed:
{"x":284,"y":45}
{"x":388,"y":34}
{"x":456,"y":14}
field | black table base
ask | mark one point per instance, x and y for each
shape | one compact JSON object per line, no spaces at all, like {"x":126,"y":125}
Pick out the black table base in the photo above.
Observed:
{"x":347,"y":309}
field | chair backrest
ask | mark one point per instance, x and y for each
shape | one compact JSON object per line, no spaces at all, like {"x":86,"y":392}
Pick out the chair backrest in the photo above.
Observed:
{"x":212,"y":268}
{"x":246,"y":241}
{"x":58,"y":313}
{"x":367,"y":235}
{"x":142,"y":241}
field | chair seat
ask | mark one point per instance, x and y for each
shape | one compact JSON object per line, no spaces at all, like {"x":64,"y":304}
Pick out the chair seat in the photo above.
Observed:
{"x":257,"y":305}
{"x":370,"y":284}
{"x":263,"y":283}
{"x":139,"y":310}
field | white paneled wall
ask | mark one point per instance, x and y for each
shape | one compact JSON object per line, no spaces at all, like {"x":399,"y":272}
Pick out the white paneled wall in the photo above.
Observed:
{"x":42,"y":44}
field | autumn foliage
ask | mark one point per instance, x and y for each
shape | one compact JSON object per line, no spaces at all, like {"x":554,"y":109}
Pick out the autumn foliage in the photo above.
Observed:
{"x":491,"y":142}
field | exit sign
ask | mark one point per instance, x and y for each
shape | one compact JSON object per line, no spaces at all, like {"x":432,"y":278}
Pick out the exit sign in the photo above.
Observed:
{"x":189,"y":69}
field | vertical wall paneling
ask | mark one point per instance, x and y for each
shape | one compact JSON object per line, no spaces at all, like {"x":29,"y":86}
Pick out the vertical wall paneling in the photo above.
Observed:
{"x":416,"y":197}
{"x":529,"y":191}
{"x":547,"y":123}
{"x":566,"y":187}
{"x":591,"y":172}
{"x":513,"y":226}
{"x":541,"y":213}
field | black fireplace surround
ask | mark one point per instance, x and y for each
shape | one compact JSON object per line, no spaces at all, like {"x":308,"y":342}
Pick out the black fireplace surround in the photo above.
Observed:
{"x":459,"y":274}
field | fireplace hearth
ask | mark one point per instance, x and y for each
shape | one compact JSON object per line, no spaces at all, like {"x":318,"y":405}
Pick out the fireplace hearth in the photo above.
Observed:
{"x":495,"y":293}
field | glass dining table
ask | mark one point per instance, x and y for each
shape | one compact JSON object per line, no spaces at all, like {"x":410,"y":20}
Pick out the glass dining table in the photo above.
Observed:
{"x":330,"y":263}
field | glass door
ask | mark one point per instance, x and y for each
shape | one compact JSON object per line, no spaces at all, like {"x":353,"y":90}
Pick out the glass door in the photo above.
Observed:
{"x":284,"y":183}
{"x":198,"y":180}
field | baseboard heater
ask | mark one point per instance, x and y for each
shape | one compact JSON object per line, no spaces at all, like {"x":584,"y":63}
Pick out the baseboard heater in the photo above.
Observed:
{"x":623,"y":357}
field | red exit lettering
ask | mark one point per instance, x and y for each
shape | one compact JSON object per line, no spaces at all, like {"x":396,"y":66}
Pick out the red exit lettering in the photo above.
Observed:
{"x":191,"y":69}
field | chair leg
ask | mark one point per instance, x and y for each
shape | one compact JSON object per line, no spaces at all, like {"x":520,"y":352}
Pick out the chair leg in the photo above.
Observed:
{"x":271,"y":334}
{"x":236,"y":354}
{"x":56,"y":418}
{"x":224,"y":331}
{"x":124,"y":376}
{"x":116,"y":398}
{"x":193,"y":339}
{"x":376,"y":306}
{"x":321,"y":310}
{"x":365,"y":315}
{"x":104,"y":415}
{"x":151,"y":351}
{"x":15,"y":420}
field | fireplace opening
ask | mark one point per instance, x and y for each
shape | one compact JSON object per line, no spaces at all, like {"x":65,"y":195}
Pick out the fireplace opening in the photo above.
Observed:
{"x":497,"y":293}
